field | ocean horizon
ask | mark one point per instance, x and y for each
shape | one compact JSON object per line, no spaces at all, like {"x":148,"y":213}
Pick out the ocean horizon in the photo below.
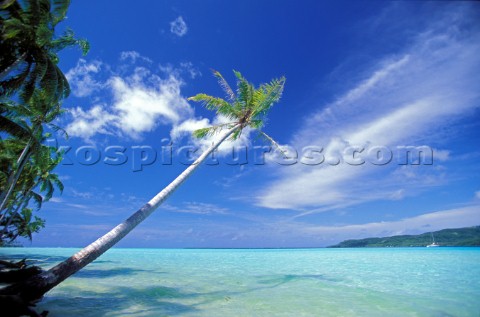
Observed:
{"x":265,"y":282}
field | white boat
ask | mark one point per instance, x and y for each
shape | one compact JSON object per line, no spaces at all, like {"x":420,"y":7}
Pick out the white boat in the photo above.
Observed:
{"x":433,"y":244}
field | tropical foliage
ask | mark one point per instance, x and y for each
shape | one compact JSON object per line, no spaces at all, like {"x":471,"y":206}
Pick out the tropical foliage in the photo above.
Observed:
{"x":29,"y":48}
{"x":32,"y":88}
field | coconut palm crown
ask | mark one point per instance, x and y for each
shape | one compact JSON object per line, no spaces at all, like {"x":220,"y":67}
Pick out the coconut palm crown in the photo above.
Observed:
{"x":247,"y":106}
{"x":30,"y":48}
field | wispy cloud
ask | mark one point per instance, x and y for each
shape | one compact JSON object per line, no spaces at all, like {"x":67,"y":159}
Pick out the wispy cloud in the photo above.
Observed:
{"x":405,"y":97}
{"x":190,"y":69}
{"x":133,"y":56}
{"x":452,"y":218}
{"x":56,"y":200}
{"x":197,"y":208}
{"x":178,"y":27}
{"x":81,"y":194}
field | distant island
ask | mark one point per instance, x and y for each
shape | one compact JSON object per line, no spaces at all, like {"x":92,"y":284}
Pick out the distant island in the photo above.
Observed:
{"x":462,"y":237}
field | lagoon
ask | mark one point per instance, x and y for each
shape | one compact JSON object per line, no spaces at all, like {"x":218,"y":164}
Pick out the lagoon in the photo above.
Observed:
{"x":266,"y":282}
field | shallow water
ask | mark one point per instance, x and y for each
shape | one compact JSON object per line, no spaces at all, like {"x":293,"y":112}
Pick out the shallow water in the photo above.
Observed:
{"x":258,"y":282}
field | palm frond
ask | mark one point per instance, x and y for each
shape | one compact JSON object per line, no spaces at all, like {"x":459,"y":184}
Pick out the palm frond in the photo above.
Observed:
{"x":68,"y":39}
{"x":43,"y":34}
{"x":209,"y":131}
{"x":244,"y":91}
{"x":11,"y":85}
{"x":235,"y":135}
{"x":58,"y":183}
{"x":12,"y":28}
{"x":10,"y":9}
{"x":58,"y":129}
{"x":225,"y":86}
{"x":44,"y":7}
{"x":50,"y":81}
{"x":273,"y":142}
{"x":6,"y":3}
{"x":257,"y":123}
{"x":267,"y":95}
{"x":65,"y":88}
{"x":37,"y":74}
{"x":59,"y":10}
{"x":13,"y":128}
{"x":37,"y":199}
{"x":40,"y":65}
{"x":201,"y":133}
{"x":215,"y":103}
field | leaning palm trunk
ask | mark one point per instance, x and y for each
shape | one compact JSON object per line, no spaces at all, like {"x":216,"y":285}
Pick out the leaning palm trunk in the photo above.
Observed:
{"x":247,"y":107}
{"x":42,"y":283}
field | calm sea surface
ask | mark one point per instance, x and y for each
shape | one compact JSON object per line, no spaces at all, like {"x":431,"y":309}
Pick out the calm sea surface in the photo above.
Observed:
{"x":288,"y":282}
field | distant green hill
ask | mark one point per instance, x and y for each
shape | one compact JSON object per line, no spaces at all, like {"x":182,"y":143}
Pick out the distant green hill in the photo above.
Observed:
{"x":462,"y":237}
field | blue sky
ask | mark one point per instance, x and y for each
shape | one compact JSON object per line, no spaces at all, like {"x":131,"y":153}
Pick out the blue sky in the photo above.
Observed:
{"x":368,"y":75}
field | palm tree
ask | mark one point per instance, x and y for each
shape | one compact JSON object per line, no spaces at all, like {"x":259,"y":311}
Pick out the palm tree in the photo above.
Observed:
{"x":37,"y":174}
{"x":29,"y":73}
{"x":247,"y":107}
{"x":29,"y":48}
{"x":39,"y":111}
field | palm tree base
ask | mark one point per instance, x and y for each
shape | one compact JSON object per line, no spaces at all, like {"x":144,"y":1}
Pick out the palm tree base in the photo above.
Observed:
{"x":23,"y":289}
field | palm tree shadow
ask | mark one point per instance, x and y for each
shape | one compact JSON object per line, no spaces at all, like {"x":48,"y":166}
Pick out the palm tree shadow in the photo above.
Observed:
{"x":153,"y":300}
{"x":114,"y":272}
{"x":157,"y":301}
{"x":277,"y":280}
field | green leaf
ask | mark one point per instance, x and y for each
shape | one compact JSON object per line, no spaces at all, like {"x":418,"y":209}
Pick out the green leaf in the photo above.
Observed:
{"x":201,"y":133}
{"x":59,"y":10}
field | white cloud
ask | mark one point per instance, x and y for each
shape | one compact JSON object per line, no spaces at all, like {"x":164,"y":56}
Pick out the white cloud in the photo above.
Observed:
{"x":88,"y":123}
{"x":402,"y":100}
{"x":141,"y":102}
{"x":192,"y":71}
{"x":477,"y":194}
{"x":145,"y":100}
{"x":81,"y":78}
{"x":133,"y":56}
{"x":187,"y":127}
{"x":178,"y":27}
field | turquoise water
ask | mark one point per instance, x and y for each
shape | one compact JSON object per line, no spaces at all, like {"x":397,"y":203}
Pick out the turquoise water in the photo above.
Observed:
{"x":288,"y":282}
